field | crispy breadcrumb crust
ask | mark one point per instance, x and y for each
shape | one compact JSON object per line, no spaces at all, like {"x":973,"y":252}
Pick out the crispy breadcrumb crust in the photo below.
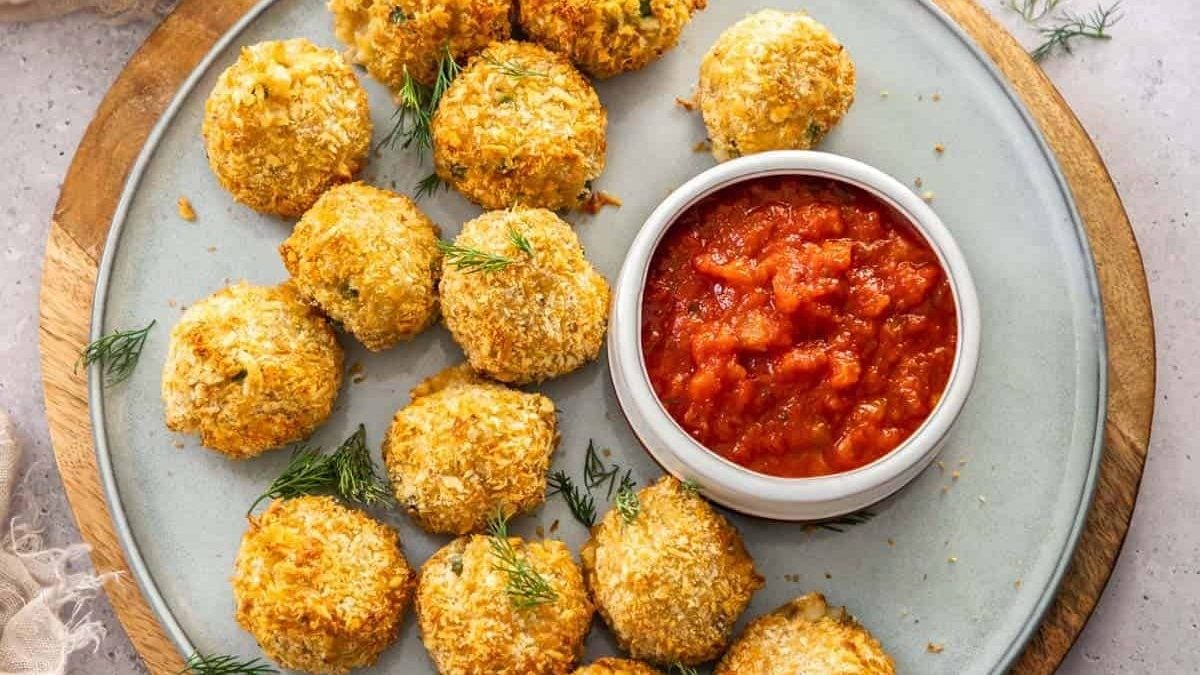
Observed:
{"x":773,"y":81}
{"x":250,"y":368}
{"x":388,"y":36}
{"x":369,"y":259}
{"x":321,"y":587}
{"x":540,"y":317}
{"x":611,"y":666}
{"x":806,"y":636}
{"x":607,"y":37}
{"x":470,"y":626}
{"x":465,"y":447}
{"x":284,"y":123}
{"x":671,"y":583}
{"x":520,"y":126}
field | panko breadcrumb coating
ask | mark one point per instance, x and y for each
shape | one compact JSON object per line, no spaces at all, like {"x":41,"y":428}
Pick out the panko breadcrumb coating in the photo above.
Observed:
{"x":806,"y":636}
{"x":520,"y":126}
{"x":391,"y":36}
{"x":773,"y":81}
{"x":471,"y":626}
{"x":369,"y":259}
{"x":542,"y":316}
{"x":608,"y":37}
{"x":321,"y":587}
{"x":251,"y":368}
{"x":285,"y":123}
{"x":611,"y":666}
{"x":465,"y":447}
{"x":671,"y":583}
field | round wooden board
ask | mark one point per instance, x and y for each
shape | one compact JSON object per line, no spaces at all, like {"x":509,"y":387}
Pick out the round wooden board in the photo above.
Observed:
{"x":129,"y":111}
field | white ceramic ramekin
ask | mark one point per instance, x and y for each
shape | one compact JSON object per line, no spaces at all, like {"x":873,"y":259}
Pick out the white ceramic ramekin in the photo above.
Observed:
{"x":795,"y":499}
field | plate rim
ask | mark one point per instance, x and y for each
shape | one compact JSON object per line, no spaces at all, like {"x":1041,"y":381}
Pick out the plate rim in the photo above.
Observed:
{"x":145,"y":580}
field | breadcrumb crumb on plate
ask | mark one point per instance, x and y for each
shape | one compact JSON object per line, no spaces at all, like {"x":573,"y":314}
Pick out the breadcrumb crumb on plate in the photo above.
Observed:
{"x":465,"y":447}
{"x":470,"y":626}
{"x":185,"y":209}
{"x":672,"y":582}
{"x":806,"y":636}
{"x":284,"y":123}
{"x":322,"y":587}
{"x":611,"y":666}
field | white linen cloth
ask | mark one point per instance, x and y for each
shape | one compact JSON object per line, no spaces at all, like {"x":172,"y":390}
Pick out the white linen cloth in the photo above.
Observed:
{"x":42,"y":602}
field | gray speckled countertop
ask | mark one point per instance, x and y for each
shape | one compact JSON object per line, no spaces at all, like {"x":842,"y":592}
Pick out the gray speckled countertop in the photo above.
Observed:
{"x":1136,"y":96}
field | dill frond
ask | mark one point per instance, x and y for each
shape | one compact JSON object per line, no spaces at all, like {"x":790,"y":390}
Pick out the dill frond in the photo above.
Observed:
{"x":512,"y":68}
{"x":596,"y":473}
{"x":397,"y":16}
{"x":208,"y":664}
{"x":117,"y":353}
{"x":1093,"y":25}
{"x":692,"y":486}
{"x":471,"y":260}
{"x":581,"y":502}
{"x":520,"y":241}
{"x":413,"y":119}
{"x":357,"y":479}
{"x":836,"y":524}
{"x":526,"y":587}
{"x":1032,"y":11}
{"x":626,"y":501}
{"x":645,"y":9}
{"x":682,"y":669}
{"x":430,"y":185}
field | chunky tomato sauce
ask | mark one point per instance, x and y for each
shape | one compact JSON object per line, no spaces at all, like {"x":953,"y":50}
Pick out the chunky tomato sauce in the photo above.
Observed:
{"x":797,"y":326}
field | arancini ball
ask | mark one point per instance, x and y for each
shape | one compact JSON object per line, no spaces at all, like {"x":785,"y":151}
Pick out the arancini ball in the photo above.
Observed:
{"x":251,"y":368}
{"x":806,"y":636}
{"x":475,"y":620}
{"x":390,"y":37}
{"x":369,"y":259}
{"x":321,"y":587}
{"x":773,"y":81}
{"x":465,"y":448}
{"x":672,"y":580}
{"x":520,"y":126}
{"x":285,"y":123}
{"x":542,"y":313}
{"x":608,"y":37}
{"x":611,"y":666}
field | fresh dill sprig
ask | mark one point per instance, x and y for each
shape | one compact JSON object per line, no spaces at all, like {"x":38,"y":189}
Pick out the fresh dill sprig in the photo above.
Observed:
{"x":117,"y":353}
{"x":1093,"y":25}
{"x":471,"y":260}
{"x":692,"y":486}
{"x":520,"y":241}
{"x":430,"y":185}
{"x":836,"y":524}
{"x":526,"y":587}
{"x":357,"y":480}
{"x":417,"y":104}
{"x":682,"y":669}
{"x":626,"y":501}
{"x":512,"y":68}
{"x":645,"y":9}
{"x":448,"y":70}
{"x":347,"y":473}
{"x":208,"y":664}
{"x":579,"y":500}
{"x":1032,"y":11}
{"x":596,"y":472}
{"x":397,"y":15}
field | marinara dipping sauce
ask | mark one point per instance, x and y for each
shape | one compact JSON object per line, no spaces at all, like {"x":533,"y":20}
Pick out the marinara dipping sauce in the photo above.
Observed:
{"x":797,"y":326}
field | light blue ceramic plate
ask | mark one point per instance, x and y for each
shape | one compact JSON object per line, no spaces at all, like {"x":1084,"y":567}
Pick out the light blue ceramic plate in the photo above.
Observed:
{"x":1026,"y":448}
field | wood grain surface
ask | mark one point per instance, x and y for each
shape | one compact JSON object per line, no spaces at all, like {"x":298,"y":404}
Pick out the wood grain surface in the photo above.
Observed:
{"x":111,"y":144}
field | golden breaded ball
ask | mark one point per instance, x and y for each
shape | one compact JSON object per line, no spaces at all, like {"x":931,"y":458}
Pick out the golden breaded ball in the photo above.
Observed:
{"x":369,"y":259}
{"x":806,"y":636}
{"x":542,"y":315}
{"x":611,"y":666}
{"x":389,"y":37}
{"x":321,"y":587}
{"x":773,"y":81}
{"x":672,"y":581}
{"x":285,"y":123}
{"x":465,"y":447}
{"x":471,"y":625}
{"x":251,"y":368}
{"x":608,"y":37}
{"x":520,"y":126}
